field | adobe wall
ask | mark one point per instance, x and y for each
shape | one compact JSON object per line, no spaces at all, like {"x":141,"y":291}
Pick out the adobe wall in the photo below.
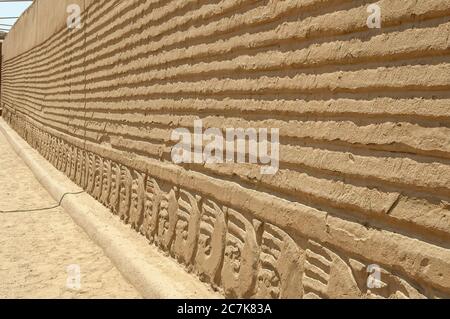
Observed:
{"x":364,"y":119}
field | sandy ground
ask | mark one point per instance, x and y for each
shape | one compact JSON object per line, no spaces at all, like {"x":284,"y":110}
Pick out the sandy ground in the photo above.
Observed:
{"x":37,"y":247}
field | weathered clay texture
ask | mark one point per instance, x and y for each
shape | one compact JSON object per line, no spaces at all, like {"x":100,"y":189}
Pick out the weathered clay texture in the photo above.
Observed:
{"x":364,"y":118}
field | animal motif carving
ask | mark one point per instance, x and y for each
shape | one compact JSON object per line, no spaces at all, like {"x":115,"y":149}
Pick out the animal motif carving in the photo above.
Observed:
{"x":187,"y":228}
{"x":167,"y":220}
{"x":68,"y":156}
{"x":280,"y":265}
{"x":241,"y":257}
{"x":52,"y":151}
{"x":124,"y":193}
{"x":46,"y":146}
{"x":90,"y":168}
{"x":80,"y":171}
{"x":98,"y":177}
{"x":137,"y":200}
{"x":153,"y":198}
{"x":115,"y":188}
{"x":55,"y":152}
{"x":73,"y":167}
{"x":211,"y":242}
{"x":61,"y":156}
{"x":106,"y":182}
{"x":327,"y":275}
{"x":73,"y":163}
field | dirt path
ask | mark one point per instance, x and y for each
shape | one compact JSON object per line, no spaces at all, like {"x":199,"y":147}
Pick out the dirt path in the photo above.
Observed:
{"x":37,"y":247}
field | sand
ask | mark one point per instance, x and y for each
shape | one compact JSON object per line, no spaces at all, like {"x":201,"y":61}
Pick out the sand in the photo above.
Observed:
{"x":36,"y":247}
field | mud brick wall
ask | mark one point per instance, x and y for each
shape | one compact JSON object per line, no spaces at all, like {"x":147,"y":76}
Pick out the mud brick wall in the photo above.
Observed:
{"x":364,"y":118}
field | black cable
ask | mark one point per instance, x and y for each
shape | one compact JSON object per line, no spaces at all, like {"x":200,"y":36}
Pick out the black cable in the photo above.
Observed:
{"x":40,"y":209}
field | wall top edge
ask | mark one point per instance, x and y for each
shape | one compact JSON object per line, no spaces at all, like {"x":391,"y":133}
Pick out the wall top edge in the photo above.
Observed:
{"x":41,"y":20}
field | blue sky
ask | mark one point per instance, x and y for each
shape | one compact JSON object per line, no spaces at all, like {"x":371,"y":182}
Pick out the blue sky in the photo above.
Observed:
{"x":11,"y":9}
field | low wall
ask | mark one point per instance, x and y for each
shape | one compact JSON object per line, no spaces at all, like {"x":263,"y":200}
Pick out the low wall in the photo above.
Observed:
{"x":363,"y":186}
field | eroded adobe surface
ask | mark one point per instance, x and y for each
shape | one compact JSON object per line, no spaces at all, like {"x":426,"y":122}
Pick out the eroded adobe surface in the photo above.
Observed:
{"x":363,"y":115}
